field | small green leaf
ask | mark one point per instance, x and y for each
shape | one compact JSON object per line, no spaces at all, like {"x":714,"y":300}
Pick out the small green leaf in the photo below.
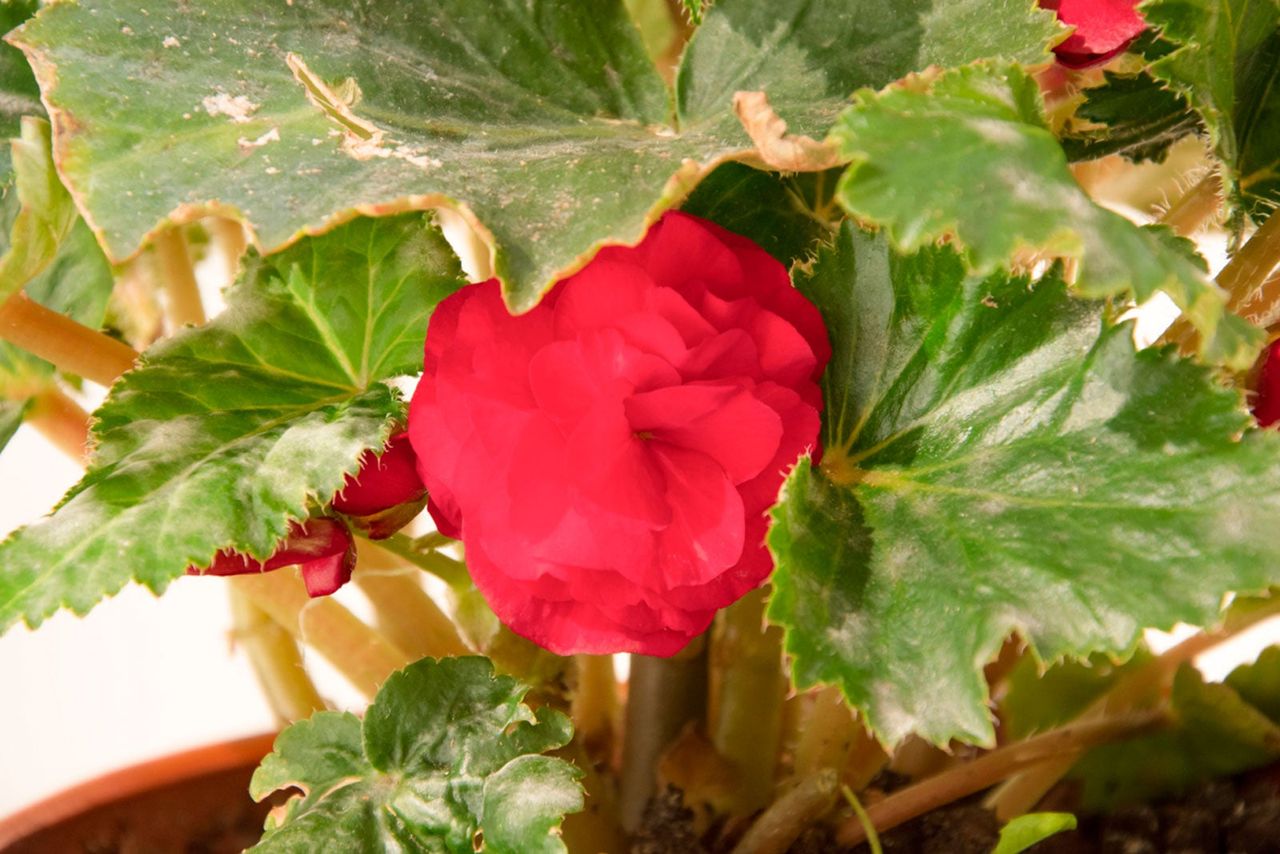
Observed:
{"x":11,"y":412}
{"x":1026,"y":830}
{"x":973,"y":142}
{"x":1215,"y":733}
{"x":787,"y":215}
{"x":1136,"y":116}
{"x":19,"y":94}
{"x":47,"y":251}
{"x":1258,"y":684}
{"x":998,"y":459}
{"x":1227,"y":63}
{"x":549,"y":125}
{"x":229,"y":431}
{"x":1035,"y":702}
{"x":447,"y":751}
{"x":45,"y":215}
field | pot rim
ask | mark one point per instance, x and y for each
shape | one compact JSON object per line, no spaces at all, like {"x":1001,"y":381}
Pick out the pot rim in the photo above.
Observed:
{"x":133,"y":780}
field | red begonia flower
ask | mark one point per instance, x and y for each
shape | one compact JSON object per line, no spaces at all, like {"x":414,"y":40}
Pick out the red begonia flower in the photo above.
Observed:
{"x":1103,"y":28}
{"x":1266,"y":400}
{"x":386,"y":493}
{"x":322,"y":547}
{"x":608,"y":458}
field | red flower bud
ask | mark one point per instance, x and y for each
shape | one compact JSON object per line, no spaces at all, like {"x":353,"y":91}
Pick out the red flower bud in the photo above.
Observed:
{"x":384,"y":481}
{"x":322,"y":547}
{"x":1266,"y":399}
{"x":1103,"y":28}
{"x":609,"y":457}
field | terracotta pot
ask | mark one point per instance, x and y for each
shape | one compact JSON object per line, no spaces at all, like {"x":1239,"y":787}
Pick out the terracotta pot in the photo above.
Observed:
{"x":192,"y":801}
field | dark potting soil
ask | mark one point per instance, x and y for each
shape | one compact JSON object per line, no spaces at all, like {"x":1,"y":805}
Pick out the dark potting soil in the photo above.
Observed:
{"x":1237,"y":816}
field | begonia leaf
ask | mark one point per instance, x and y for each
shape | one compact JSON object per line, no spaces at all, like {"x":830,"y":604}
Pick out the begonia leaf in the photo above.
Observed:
{"x":973,"y":142}
{"x":550,"y":126}
{"x":1227,"y":63}
{"x":997,"y":458}
{"x":228,"y":432}
{"x":447,"y":759}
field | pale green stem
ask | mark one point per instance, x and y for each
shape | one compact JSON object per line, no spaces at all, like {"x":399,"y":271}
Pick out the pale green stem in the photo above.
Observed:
{"x":747,"y":656}
{"x":359,"y":653}
{"x":276,"y":659}
{"x":827,"y":733}
{"x":178,"y":278}
{"x":664,"y":694}
{"x":408,"y":616}
{"x":422,"y":554}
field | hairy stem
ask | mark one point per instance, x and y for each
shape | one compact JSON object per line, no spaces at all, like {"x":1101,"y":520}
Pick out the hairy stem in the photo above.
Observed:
{"x":1022,"y":792}
{"x":664,"y":695}
{"x":781,"y":824}
{"x":72,"y":347}
{"x":1244,"y":279}
{"x":747,"y":727}
{"x":62,"y":421}
{"x":595,"y":701}
{"x":964,"y":780}
{"x":276,"y":659}
{"x":408,"y":616}
{"x":359,"y":653}
{"x":1196,"y":206}
{"x":178,"y":279}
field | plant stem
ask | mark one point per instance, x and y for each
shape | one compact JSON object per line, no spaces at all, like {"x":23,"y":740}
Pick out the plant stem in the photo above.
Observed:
{"x":62,"y":421}
{"x":748,"y":721}
{"x":781,"y":824}
{"x":451,"y":572}
{"x":1022,"y":792}
{"x":594,"y":701}
{"x":985,"y":771}
{"x":1196,"y":206}
{"x":408,"y":617}
{"x":1243,"y":279}
{"x":664,"y":694}
{"x":359,"y":653}
{"x":178,"y":279}
{"x":826,"y":733}
{"x":72,"y":347}
{"x":276,"y":660}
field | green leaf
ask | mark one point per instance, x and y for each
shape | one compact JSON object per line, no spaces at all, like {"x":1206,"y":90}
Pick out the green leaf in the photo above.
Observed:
{"x":973,"y":142}
{"x":229,"y":431}
{"x":785,"y":214}
{"x":11,"y":412}
{"x":1215,"y":733}
{"x":999,"y":459}
{"x":45,"y":214}
{"x":1026,"y":830}
{"x":447,"y":754}
{"x":19,"y":94}
{"x":46,"y":250}
{"x":1136,"y":116}
{"x":1035,"y":702}
{"x":1227,"y":64}
{"x":549,"y":126}
{"x":1258,"y":684}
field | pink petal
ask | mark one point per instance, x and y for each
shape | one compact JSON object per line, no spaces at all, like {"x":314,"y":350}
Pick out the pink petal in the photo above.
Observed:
{"x":706,"y":532}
